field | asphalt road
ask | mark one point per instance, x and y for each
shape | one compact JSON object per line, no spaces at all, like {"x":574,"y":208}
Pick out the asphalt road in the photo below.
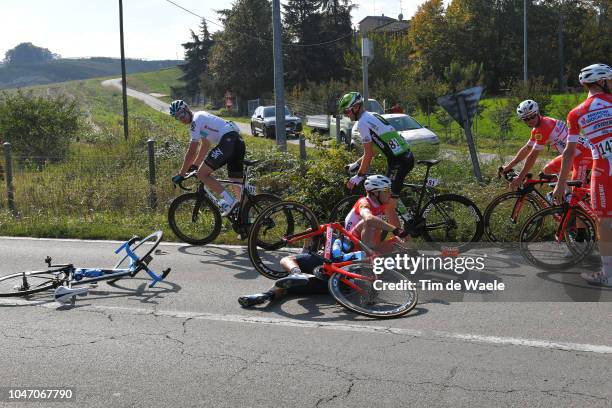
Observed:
{"x":164,"y":107}
{"x":187,"y":343}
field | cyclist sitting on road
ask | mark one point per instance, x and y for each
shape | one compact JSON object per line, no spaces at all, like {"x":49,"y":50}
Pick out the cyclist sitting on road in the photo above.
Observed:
{"x":374,"y":128}
{"x":364,"y":221}
{"x":206,"y":130}
{"x":592,"y":119}
{"x":544,"y":131}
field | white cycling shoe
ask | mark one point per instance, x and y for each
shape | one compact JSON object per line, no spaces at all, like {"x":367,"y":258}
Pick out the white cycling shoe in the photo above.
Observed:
{"x":65,"y":295}
{"x":227,"y":208}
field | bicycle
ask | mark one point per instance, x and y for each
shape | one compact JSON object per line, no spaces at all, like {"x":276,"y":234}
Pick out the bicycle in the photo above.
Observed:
{"x":444,"y":218}
{"x":352,"y":283}
{"x":195,"y":217}
{"x":504,"y":216}
{"x":560,"y":236}
{"x":62,"y":277}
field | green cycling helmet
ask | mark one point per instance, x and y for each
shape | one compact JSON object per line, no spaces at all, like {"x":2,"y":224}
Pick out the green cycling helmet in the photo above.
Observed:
{"x":349,"y":100}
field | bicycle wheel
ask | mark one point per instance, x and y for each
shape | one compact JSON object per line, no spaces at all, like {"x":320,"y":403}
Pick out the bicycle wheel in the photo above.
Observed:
{"x":27,"y":283}
{"x":143,"y":248}
{"x":504,"y":216}
{"x":451,"y":218}
{"x":370,"y":299}
{"x":255,"y":206}
{"x":194,"y":219}
{"x":267,"y":239}
{"x":342,"y":208}
{"x":539,"y":242}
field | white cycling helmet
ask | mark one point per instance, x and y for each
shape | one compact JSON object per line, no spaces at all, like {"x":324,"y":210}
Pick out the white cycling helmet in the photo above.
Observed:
{"x":377,"y":183}
{"x":177,"y":106}
{"x":527,"y":108}
{"x":594,"y":73}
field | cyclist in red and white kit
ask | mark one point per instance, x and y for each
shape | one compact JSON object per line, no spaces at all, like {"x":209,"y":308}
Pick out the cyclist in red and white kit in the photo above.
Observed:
{"x":546,"y":130}
{"x":592,"y":119}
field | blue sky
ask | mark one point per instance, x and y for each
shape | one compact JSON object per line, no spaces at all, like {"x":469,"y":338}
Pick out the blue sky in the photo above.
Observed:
{"x":154,"y":29}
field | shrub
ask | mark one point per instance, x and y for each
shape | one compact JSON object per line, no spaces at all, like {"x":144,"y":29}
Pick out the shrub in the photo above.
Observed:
{"x":37,"y":127}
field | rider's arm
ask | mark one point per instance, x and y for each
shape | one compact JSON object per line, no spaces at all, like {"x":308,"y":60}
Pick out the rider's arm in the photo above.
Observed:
{"x":367,"y":215}
{"x":204,"y":146}
{"x":189,"y":156}
{"x":531,"y":159}
{"x":366,"y":159}
{"x":520,"y":156}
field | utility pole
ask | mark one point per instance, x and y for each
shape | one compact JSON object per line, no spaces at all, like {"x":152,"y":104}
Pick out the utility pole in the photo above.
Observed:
{"x":279,"y":86}
{"x":365,"y":58}
{"x":525,"y":40}
{"x":123,"y":79}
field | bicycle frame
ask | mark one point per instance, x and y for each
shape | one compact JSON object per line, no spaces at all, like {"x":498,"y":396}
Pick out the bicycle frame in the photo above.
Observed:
{"x":576,"y":200}
{"x":135,"y":265}
{"x":330,"y":267}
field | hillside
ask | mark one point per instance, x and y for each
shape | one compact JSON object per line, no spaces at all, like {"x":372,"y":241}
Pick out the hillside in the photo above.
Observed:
{"x":17,"y":76}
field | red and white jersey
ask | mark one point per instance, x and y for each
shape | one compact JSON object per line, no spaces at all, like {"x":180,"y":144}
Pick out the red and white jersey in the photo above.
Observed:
{"x":593,"y":120}
{"x":354,"y":216}
{"x":554,"y":132}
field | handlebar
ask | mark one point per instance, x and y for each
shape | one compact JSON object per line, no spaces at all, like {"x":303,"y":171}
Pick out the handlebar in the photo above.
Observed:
{"x":187,"y":177}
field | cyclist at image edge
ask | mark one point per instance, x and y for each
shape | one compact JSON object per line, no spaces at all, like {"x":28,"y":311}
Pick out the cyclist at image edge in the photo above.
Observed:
{"x":364,"y":221}
{"x":592,"y":119}
{"x":206,"y":130}
{"x":374,"y":128}
{"x":544,"y":131}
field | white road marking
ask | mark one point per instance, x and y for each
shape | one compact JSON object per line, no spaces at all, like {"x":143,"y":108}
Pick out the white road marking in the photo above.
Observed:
{"x":100,"y":241}
{"x":363,"y":328}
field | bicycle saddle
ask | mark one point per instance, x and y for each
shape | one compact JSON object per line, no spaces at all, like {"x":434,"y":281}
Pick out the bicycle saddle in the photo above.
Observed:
{"x":429,"y":163}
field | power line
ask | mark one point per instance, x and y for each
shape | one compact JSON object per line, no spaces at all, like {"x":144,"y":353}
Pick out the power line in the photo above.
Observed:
{"x":264,"y":39}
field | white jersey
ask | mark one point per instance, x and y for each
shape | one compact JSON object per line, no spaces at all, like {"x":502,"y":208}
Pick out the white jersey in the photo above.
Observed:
{"x":210,"y":127}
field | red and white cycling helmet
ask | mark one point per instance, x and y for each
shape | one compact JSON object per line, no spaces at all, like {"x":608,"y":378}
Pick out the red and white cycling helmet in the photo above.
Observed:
{"x":527,"y":108}
{"x":594,"y":73}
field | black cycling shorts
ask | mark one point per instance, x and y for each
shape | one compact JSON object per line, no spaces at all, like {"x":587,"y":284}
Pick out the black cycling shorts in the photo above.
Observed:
{"x":315,"y":286}
{"x":230,"y":151}
{"x":397,"y":169}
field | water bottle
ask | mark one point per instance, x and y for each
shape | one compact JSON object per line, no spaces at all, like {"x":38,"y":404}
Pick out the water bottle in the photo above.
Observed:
{"x":86,"y":273}
{"x":338,"y":252}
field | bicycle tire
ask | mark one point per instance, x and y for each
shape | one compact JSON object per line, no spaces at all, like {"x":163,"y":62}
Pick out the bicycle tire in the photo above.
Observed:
{"x":344,"y":294}
{"x":258,"y":204}
{"x":342,"y":208}
{"x":275,"y":243}
{"x":15,"y":279}
{"x":144,"y":255}
{"x":466,"y":238}
{"x":505,"y":232}
{"x":191,"y":229}
{"x":537,"y":227}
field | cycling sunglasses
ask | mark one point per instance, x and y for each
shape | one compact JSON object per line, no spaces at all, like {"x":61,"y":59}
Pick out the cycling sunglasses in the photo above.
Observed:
{"x":527,"y":119}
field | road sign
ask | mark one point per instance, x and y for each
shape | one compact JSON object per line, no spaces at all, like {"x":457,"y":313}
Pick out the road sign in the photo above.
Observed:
{"x":471,"y":96}
{"x":462,"y":107}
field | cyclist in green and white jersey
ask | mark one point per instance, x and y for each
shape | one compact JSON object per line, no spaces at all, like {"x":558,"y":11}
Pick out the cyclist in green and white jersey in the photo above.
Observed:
{"x":374,"y":129}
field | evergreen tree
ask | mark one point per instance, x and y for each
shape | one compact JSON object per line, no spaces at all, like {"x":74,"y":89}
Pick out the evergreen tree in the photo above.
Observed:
{"x":196,"y":59}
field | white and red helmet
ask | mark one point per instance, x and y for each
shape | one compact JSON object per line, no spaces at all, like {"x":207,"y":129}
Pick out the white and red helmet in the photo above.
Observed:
{"x":594,"y":73}
{"x":527,"y":108}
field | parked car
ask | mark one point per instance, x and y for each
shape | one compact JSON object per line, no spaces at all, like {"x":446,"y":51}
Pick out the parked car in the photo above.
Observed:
{"x":412,"y":131}
{"x":264,"y":121}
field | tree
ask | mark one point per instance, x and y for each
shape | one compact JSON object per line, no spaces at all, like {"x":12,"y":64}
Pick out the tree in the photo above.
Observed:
{"x":241,"y":58}
{"x":28,"y":53}
{"x":196,"y":59}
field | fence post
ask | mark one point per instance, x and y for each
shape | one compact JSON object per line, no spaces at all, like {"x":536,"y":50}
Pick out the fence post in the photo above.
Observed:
{"x":302,"y":147}
{"x":8,"y":161}
{"x":152,"y":192}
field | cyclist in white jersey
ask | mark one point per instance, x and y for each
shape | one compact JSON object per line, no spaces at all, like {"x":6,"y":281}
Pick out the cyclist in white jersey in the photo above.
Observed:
{"x":209,"y":130}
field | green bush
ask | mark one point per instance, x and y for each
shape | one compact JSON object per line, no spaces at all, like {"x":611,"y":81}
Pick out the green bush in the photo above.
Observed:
{"x":39,"y":128}
{"x":228,"y":112}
